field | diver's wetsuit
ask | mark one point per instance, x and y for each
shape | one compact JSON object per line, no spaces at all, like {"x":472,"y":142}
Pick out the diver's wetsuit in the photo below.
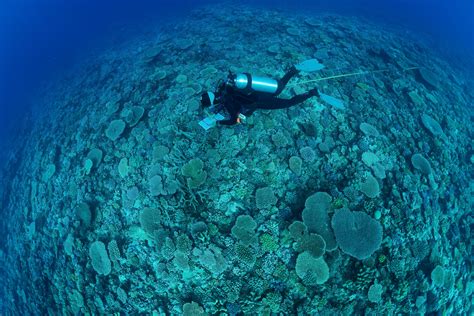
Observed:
{"x":237,"y":102}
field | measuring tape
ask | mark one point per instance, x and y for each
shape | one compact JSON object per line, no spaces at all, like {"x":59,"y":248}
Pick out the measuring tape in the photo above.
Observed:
{"x":347,"y":75}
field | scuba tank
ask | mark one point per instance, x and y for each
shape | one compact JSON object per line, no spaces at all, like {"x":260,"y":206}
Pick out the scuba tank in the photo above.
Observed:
{"x":250,"y":83}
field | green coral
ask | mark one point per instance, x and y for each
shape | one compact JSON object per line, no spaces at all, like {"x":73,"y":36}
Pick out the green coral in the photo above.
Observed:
{"x":311,"y":270}
{"x":279,"y":139}
{"x":193,"y":309}
{"x":194,"y":172}
{"x":437,"y":276}
{"x":95,"y":155}
{"x":100,"y":260}
{"x":245,"y":254}
{"x":421,"y":163}
{"x":269,"y":243}
{"x":115,"y":129}
{"x":370,"y":187}
{"x":265,"y":198}
{"x":150,"y":219}
{"x":183,"y":244}
{"x":295,"y":164}
{"x":312,"y":243}
{"x":273,"y":301}
{"x":375,"y":293}
{"x":244,"y":229}
{"x":123,"y":167}
{"x":133,"y":115}
{"x":297,"y":230}
{"x":337,"y":203}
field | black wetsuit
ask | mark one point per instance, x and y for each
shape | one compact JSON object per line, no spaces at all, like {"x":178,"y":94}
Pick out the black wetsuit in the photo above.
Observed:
{"x":236,"y":101}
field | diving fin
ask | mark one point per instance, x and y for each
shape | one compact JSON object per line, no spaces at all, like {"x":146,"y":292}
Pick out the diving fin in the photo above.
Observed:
{"x":337,"y":103}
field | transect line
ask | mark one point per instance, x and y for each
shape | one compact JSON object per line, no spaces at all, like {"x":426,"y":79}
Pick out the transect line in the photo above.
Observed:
{"x":347,"y":75}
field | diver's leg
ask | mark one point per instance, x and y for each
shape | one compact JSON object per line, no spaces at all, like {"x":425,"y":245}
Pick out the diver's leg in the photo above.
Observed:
{"x":284,"y":80}
{"x":276,"y":103}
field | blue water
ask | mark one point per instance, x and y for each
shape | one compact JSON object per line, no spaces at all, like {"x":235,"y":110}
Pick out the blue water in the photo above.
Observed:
{"x":39,"y":38}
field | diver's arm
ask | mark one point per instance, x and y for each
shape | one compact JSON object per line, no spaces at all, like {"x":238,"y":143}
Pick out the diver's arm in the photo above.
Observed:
{"x":232,"y":121}
{"x":233,"y":109}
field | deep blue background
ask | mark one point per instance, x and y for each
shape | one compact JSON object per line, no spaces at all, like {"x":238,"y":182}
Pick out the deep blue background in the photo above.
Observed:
{"x":39,"y":38}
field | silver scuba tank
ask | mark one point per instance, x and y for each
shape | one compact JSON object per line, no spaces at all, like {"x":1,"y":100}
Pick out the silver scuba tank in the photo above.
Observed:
{"x":249,"y":82}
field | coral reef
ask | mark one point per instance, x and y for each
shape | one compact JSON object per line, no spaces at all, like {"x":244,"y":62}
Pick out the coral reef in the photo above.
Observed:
{"x":118,"y":202}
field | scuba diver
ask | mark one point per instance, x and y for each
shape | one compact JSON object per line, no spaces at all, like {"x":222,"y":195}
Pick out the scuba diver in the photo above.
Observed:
{"x":241,"y":94}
